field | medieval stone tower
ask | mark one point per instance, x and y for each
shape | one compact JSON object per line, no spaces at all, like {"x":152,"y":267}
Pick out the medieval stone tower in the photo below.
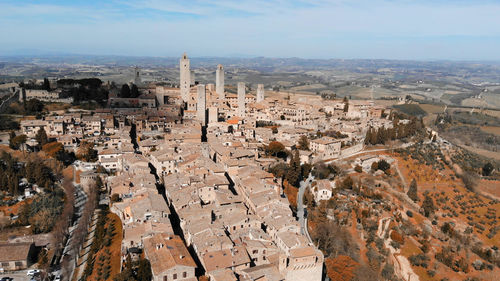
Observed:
{"x":241,"y":99}
{"x":137,"y":76}
{"x":201,"y":106}
{"x":219,"y":81}
{"x":260,"y":92}
{"x":185,"y":77}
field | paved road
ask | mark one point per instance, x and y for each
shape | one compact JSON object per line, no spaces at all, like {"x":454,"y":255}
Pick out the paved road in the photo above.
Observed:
{"x":8,"y":101}
{"x":300,"y":206}
{"x":80,"y":199}
{"x":18,"y":275}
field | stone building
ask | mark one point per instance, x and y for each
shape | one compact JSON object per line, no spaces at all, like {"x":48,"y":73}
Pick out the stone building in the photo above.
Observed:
{"x":219,"y":81}
{"x":260,"y":92}
{"x":201,"y":105}
{"x":185,"y":77}
{"x":241,"y":99}
{"x":16,"y":256}
{"x":326,"y":147}
{"x":169,"y":257}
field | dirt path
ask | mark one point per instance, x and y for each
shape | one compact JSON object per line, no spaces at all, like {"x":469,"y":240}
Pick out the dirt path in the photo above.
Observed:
{"x":403,"y":180}
{"x":402,"y":267}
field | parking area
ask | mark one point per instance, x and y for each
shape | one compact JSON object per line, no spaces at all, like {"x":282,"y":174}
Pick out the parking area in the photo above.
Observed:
{"x":18,"y":275}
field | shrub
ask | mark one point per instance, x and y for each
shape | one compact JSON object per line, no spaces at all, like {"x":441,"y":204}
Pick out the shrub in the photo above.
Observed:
{"x":115,"y":198}
{"x":383,"y":165}
{"x":419,"y":260}
{"x":358,"y":169}
{"x":395,"y":244}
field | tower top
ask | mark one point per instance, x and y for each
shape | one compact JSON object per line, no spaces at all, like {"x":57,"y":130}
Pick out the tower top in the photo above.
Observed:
{"x":184,"y":56}
{"x":219,"y":66}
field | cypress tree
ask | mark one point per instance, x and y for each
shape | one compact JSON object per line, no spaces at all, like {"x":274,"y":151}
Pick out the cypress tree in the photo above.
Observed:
{"x":412,"y":191}
{"x":428,"y":205}
{"x":41,"y":137}
{"x":294,"y":171}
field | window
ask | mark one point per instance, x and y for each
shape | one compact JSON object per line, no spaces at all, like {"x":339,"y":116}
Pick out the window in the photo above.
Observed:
{"x":165,"y":278}
{"x":19,"y":263}
{"x":184,"y":274}
{"x":175,"y":276}
{"x":255,"y":251}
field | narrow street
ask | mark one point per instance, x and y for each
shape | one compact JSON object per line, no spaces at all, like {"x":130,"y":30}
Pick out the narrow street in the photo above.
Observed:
{"x":84,"y":253}
{"x":80,"y":199}
{"x":300,"y":206}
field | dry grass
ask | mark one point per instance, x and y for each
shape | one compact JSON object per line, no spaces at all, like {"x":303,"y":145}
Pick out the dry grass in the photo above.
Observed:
{"x":410,"y":248}
{"x":491,"y":130}
{"x":291,"y":193}
{"x":57,"y":106}
{"x":431,"y":108}
{"x":68,"y":173}
{"x":14,"y":209}
{"x":490,"y":187}
{"x":449,"y":191}
{"x":14,"y":231}
{"x":483,"y":152}
{"x":114,"y":249}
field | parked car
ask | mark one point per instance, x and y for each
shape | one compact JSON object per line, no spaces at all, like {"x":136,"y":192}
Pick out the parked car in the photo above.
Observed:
{"x":33,"y":272}
{"x":57,"y":278}
{"x":6,"y":278}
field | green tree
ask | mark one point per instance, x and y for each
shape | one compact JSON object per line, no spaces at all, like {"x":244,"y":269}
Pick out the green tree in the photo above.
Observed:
{"x":279,"y":170}
{"x":274,"y":148}
{"x":24,"y":214}
{"x":134,"y":91}
{"x":20,"y":141}
{"x":125,"y":91}
{"x":46,"y":84}
{"x":12,"y":136}
{"x":87,"y":152}
{"x":487,"y":169}
{"x":306,"y":170}
{"x":133,"y":135}
{"x":412,"y":191}
{"x":41,"y":137}
{"x":428,"y":205}
{"x":34,"y":106}
{"x":368,"y":135}
{"x":383,"y":165}
{"x":303,"y":143}
{"x":308,"y":198}
{"x":358,"y":169}
{"x":347,"y":183}
{"x":98,"y":183}
{"x":144,"y":270}
{"x":294,"y":171}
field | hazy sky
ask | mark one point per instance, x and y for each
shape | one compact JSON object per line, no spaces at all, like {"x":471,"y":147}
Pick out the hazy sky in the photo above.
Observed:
{"x":392,"y":29}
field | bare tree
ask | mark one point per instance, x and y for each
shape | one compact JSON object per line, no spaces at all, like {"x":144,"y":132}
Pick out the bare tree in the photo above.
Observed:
{"x":60,"y":230}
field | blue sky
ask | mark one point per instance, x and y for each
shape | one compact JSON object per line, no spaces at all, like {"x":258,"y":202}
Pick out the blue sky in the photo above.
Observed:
{"x":391,"y":29}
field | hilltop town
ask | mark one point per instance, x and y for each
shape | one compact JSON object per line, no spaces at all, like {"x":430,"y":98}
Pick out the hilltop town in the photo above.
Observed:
{"x":178,"y":180}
